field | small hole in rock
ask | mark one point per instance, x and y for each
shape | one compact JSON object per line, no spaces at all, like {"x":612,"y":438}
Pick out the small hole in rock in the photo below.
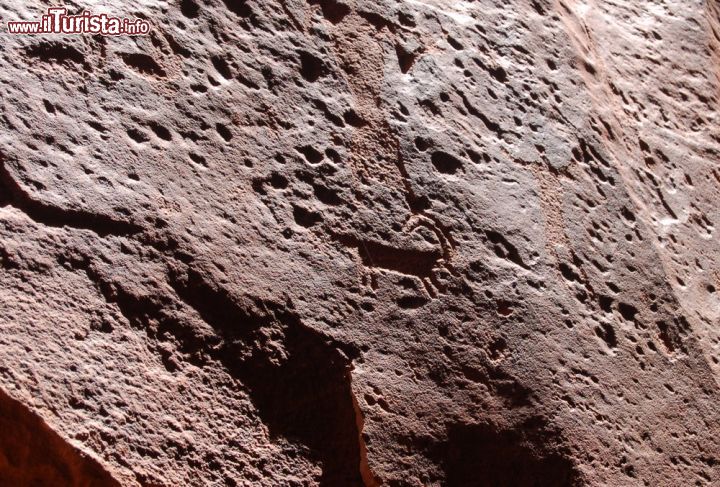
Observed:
{"x":627,"y":311}
{"x":278,"y":181}
{"x":306,"y":218}
{"x":160,"y":131}
{"x":454,"y":43}
{"x":221,"y":66}
{"x":332,"y":10}
{"x":49,"y":106}
{"x":224,"y":132}
{"x":144,"y":64}
{"x":138,"y":136}
{"x":422,"y":144}
{"x":189,"y":9}
{"x":504,"y":308}
{"x":405,"y":58}
{"x":311,"y":67}
{"x":198,"y":159}
{"x":353,"y":119}
{"x":446,"y":163}
{"x":311,"y":154}
{"x":238,"y":7}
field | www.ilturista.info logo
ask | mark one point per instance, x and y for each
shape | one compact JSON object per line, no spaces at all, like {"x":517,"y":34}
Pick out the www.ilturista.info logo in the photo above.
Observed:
{"x":57,"y":21}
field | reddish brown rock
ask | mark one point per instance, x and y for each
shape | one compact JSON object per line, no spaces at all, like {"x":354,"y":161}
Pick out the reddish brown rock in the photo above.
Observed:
{"x":33,"y":454}
{"x":339,"y":242}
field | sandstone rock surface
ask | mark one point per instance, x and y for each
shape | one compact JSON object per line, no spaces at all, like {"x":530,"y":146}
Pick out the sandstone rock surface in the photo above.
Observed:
{"x":350,"y":242}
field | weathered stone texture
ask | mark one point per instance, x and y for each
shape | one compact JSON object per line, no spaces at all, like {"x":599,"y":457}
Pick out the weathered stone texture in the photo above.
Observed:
{"x":349,"y":242}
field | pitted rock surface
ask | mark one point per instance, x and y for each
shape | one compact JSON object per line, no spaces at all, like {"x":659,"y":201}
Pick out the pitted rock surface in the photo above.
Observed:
{"x":349,"y":242}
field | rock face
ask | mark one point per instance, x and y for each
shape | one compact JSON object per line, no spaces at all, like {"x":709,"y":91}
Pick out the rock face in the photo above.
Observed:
{"x":349,"y":242}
